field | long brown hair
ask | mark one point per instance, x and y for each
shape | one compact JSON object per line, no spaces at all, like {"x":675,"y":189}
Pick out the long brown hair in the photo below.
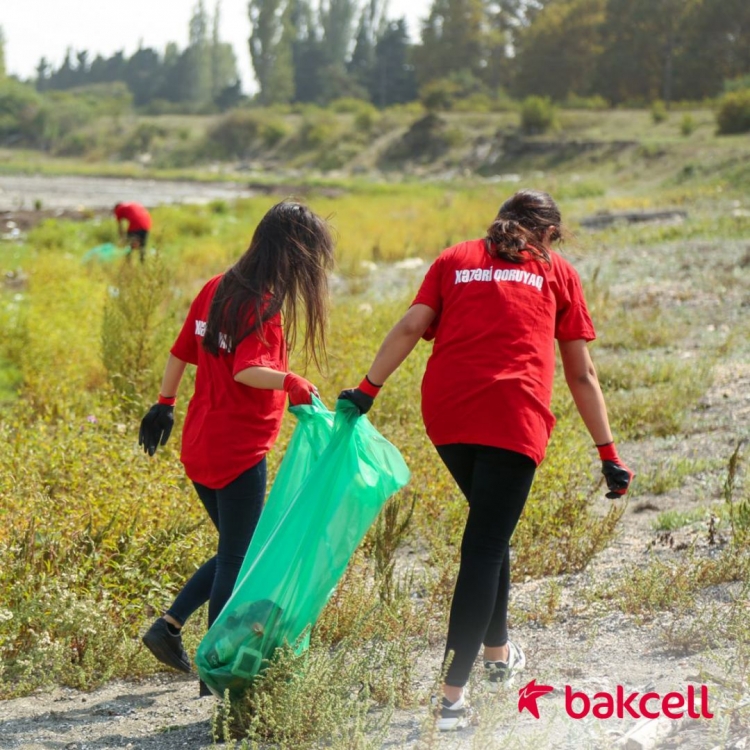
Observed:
{"x":520,"y":227}
{"x":286,"y":264}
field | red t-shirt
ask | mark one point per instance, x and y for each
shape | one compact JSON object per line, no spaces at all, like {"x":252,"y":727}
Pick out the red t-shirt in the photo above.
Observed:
{"x":489,"y":378}
{"x":135,"y":214}
{"x":229,"y":426}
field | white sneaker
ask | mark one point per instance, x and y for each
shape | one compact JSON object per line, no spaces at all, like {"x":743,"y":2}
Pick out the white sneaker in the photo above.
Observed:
{"x":501,"y":673}
{"x":449,"y":715}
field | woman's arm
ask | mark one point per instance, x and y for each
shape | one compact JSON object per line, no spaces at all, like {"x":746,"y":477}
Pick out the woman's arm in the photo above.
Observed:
{"x":396,"y":347}
{"x":583,"y":383}
{"x":173,"y":372}
{"x":261,"y":377}
{"x":400,"y":342}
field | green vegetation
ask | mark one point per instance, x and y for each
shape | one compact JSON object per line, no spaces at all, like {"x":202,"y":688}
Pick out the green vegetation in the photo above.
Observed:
{"x":96,"y":537}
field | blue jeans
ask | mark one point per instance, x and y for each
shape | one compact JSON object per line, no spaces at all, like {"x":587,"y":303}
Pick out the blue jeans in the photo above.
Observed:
{"x":234,"y":510}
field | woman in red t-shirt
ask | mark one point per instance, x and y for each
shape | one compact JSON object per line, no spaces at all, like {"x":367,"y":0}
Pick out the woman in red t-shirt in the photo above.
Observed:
{"x":494,"y":307}
{"x":236,"y":333}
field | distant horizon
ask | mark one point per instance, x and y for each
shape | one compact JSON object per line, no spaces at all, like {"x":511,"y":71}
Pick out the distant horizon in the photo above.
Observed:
{"x":154,"y":25}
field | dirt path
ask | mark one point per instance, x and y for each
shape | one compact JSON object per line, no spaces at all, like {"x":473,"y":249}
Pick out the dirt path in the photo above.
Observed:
{"x":589,"y":647}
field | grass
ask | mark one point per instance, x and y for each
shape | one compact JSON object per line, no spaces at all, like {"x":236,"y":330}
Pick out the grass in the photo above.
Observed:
{"x":96,"y":537}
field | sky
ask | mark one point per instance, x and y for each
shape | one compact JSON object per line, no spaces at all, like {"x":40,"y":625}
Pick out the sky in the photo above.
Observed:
{"x":46,"y":28}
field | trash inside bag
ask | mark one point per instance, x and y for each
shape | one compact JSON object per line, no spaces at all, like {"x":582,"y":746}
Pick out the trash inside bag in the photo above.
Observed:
{"x":336,"y":475}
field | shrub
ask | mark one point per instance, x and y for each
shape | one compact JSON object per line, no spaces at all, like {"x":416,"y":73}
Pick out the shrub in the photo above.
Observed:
{"x":366,"y":118}
{"x":538,"y":115}
{"x":273,"y":131}
{"x":733,"y":115}
{"x":317,"y":129}
{"x":348,"y":104}
{"x":130,"y":331}
{"x":233,"y":136}
{"x":475,"y":103}
{"x":142,"y":139}
{"x":594,"y":103}
{"x":438,"y":95}
{"x":22,"y":116}
{"x":659,"y":112}
{"x":687,"y":125}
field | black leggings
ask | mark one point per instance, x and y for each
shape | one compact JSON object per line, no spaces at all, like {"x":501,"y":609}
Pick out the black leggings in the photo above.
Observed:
{"x":234,"y":510}
{"x":496,"y":483}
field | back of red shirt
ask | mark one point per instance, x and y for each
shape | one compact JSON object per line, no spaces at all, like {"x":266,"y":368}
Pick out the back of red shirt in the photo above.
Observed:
{"x":229,"y":426}
{"x":489,"y":378}
{"x":136,"y":215}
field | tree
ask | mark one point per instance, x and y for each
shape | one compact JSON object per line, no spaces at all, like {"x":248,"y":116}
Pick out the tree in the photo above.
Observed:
{"x":223,"y":65}
{"x":393,"y":80}
{"x":641,"y":41}
{"x":143,"y":73}
{"x":271,"y":48}
{"x":372,"y":23}
{"x":453,"y":39}
{"x":2,"y":54}
{"x":196,"y":60}
{"x":716,"y":49}
{"x":337,"y":17}
{"x":558,"y":53}
{"x":42,"y":74}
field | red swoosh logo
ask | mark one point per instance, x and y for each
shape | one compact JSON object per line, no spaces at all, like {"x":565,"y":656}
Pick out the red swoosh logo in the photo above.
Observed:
{"x":527,"y":697}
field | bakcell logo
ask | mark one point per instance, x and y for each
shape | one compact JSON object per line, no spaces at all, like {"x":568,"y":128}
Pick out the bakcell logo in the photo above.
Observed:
{"x":603,"y":705}
{"x":528,"y":695}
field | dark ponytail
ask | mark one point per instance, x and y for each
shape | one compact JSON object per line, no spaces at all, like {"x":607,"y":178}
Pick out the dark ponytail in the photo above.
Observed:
{"x":519,"y":230}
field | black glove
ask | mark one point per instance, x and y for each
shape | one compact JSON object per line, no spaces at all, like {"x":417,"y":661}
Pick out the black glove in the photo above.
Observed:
{"x":363,"y":395}
{"x":156,"y":427}
{"x":617,"y":475}
{"x":360,"y":399}
{"x":618,"y":478}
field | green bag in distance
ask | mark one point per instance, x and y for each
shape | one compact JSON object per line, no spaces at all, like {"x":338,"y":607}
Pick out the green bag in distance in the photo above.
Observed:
{"x":108,"y":251}
{"x":323,"y":500}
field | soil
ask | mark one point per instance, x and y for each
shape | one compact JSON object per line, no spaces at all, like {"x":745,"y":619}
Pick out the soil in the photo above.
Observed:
{"x":591,"y":647}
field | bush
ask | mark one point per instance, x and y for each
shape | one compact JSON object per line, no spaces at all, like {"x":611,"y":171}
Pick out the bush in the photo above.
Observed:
{"x":233,"y":136}
{"x":737,"y":84}
{"x":366,"y":118}
{"x":142,"y":139}
{"x":273,"y":131}
{"x":594,"y":103}
{"x":316,"y":130}
{"x":475,"y":103}
{"x":659,"y":112}
{"x":538,"y":115}
{"x":22,"y":116}
{"x":733,"y":115}
{"x":438,"y":95}
{"x":687,"y":125}
{"x":348,"y":104}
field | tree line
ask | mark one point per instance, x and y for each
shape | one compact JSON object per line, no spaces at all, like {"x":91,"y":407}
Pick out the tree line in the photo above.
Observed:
{"x":623,"y":51}
{"x":202,"y":75}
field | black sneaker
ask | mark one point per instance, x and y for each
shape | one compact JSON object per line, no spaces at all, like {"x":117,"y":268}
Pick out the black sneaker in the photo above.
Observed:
{"x":501,"y":673}
{"x":449,"y":715}
{"x":166,"y":646}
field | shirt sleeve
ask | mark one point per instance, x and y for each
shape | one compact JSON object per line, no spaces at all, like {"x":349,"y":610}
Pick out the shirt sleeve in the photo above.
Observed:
{"x":430,"y":294}
{"x":573,"y":321}
{"x":253,"y":351}
{"x":185,"y":346}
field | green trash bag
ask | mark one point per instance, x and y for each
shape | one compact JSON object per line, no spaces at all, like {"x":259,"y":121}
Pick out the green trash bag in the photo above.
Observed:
{"x":108,"y":251}
{"x":335,"y":477}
